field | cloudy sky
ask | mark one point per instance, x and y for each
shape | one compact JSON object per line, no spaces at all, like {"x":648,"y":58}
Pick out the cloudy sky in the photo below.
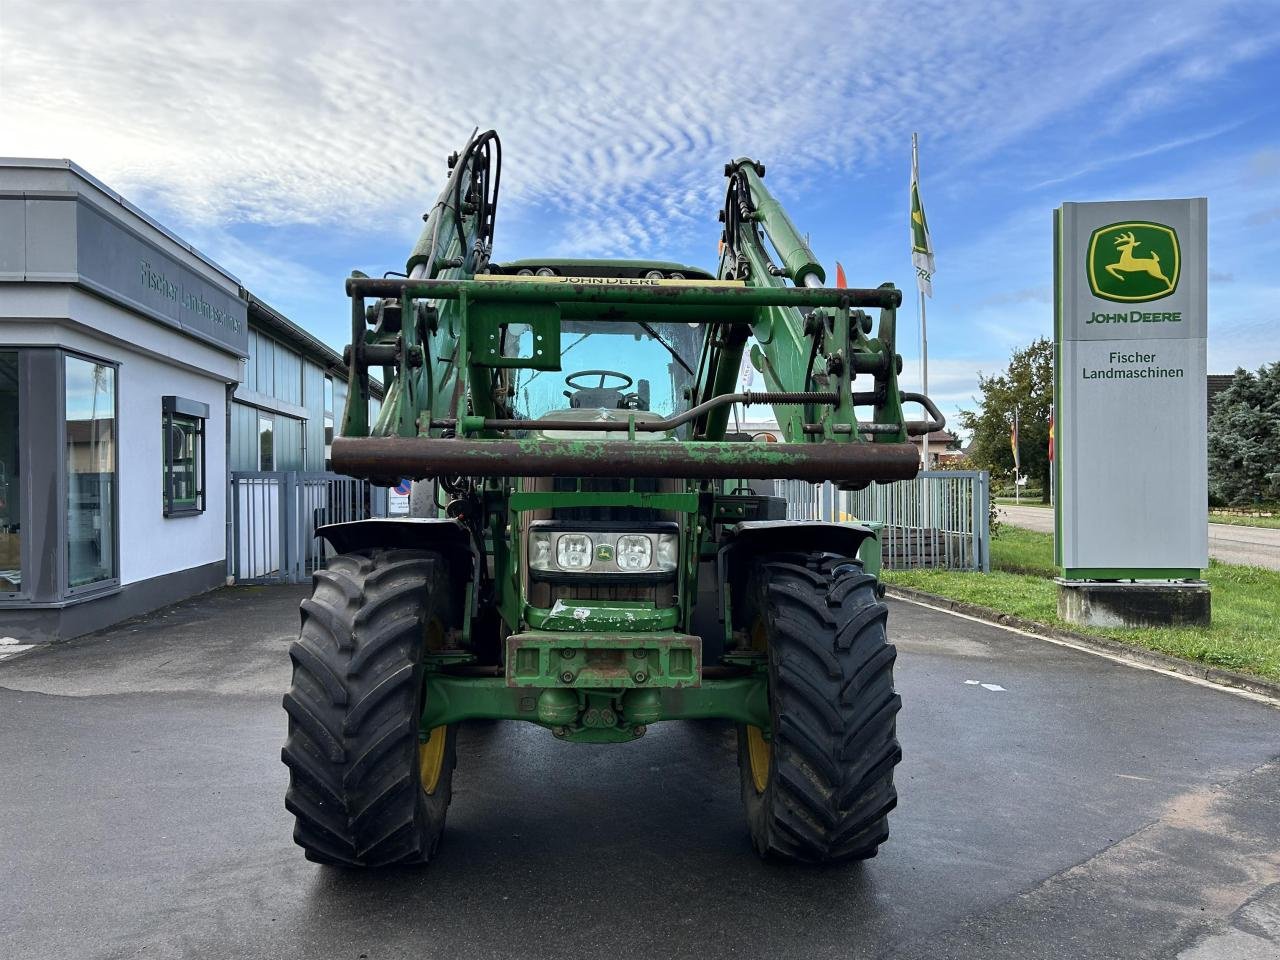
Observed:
{"x":292,"y":142}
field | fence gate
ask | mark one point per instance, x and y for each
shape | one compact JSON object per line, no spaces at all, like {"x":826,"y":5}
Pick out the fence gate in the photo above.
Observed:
{"x":275,"y":515}
{"x":939,"y":519}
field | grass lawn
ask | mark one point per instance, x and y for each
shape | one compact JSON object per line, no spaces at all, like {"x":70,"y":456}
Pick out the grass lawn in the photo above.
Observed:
{"x":1245,"y":634}
{"x":1234,"y":519}
{"x":1238,"y":521}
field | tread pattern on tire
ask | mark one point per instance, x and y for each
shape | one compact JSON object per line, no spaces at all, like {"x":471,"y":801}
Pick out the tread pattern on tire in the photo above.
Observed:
{"x":834,"y":709}
{"x":354,"y":707}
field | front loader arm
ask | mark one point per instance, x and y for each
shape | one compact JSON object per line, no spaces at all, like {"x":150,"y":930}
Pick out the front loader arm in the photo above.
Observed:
{"x":420,"y":344}
{"x":823,"y":351}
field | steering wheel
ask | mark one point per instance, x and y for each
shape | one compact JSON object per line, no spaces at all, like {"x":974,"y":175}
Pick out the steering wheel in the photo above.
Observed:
{"x":626,"y":381}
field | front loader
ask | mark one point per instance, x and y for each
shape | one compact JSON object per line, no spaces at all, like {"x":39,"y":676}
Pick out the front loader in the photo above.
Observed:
{"x":591,"y":546}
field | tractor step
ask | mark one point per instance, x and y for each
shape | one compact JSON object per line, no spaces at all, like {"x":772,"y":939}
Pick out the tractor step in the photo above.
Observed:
{"x":615,"y":661}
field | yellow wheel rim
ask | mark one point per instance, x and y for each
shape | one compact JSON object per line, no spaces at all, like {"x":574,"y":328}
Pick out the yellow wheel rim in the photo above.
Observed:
{"x":431,"y":759}
{"x":758,"y":752}
{"x":758,"y":749}
{"x":431,"y":752}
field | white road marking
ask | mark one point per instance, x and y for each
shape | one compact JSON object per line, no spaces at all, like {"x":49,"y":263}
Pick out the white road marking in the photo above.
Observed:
{"x":985,"y":686}
{"x":1058,"y":641}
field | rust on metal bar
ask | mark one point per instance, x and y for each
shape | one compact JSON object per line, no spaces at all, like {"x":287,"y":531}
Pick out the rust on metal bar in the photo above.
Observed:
{"x":389,"y":458}
{"x":886,"y":297}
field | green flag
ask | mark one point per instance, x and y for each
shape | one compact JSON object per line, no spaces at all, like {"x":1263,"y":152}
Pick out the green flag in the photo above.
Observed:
{"x":921,"y":243}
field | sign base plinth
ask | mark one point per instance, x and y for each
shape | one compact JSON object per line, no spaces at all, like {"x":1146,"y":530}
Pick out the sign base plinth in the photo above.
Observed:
{"x":1092,"y":603}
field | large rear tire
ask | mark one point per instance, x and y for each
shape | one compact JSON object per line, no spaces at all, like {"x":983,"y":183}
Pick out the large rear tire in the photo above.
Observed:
{"x":821,"y":789}
{"x":365,"y":788}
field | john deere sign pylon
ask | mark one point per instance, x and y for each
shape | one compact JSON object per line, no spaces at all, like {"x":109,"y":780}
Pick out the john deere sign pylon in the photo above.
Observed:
{"x":1129,"y":411}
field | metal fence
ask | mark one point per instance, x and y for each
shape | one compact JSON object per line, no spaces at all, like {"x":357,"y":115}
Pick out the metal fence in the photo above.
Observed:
{"x":939,"y":519}
{"x":275,"y":516}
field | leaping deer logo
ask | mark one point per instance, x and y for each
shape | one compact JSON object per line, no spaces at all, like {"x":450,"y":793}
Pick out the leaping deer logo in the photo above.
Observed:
{"x":1128,"y":263}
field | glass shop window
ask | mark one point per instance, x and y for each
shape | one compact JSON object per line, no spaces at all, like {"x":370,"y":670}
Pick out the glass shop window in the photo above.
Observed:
{"x":90,"y":413}
{"x":183,"y":445}
{"x":10,"y":477}
{"x":266,"y":444}
{"x":328,"y":420}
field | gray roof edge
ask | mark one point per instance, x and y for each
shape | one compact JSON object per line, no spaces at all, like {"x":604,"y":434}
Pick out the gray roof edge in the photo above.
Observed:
{"x":302,"y":336}
{"x":49,"y":163}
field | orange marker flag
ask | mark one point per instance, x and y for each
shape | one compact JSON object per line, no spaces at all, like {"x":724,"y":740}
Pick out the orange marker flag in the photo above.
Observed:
{"x":841,"y":282}
{"x":1013,"y":444}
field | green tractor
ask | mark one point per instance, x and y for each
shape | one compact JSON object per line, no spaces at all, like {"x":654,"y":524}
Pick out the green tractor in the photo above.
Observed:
{"x":590,"y":546}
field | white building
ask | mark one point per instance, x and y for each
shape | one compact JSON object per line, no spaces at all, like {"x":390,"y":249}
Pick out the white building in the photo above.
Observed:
{"x":134,"y":374}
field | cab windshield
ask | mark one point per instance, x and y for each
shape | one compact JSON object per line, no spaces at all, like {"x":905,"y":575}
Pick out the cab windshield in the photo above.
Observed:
{"x":658,"y":360}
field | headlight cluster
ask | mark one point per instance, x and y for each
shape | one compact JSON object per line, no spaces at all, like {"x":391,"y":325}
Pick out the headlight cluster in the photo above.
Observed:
{"x":603,"y":551}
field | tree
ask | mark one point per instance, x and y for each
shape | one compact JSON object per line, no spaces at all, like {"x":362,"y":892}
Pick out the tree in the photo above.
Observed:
{"x":1027,"y":384}
{"x":1244,"y":438}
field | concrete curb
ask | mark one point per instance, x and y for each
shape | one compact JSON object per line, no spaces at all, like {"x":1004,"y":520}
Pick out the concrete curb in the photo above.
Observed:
{"x":1150,"y":658}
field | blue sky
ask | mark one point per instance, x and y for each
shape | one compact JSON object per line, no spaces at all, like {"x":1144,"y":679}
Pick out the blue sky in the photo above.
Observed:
{"x":294,"y":141}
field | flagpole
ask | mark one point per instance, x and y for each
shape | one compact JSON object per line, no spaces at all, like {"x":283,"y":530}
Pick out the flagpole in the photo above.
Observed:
{"x":924,"y":329}
{"x":1017,"y":490}
{"x":924,"y":373}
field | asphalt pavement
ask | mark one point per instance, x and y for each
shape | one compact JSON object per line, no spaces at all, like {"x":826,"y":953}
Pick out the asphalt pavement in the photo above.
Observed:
{"x":1053,"y":804}
{"x":1253,"y":546}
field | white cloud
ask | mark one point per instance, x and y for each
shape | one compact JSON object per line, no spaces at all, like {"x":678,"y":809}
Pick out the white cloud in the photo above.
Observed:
{"x":617,"y":115}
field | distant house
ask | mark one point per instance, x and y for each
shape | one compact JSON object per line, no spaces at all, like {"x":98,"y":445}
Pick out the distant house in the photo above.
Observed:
{"x":943,"y":446}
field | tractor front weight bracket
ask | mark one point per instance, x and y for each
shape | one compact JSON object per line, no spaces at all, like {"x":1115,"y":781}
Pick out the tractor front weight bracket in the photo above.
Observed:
{"x":594,"y":715}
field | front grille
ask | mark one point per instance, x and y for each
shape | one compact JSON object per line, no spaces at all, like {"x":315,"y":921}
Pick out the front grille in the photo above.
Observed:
{"x":544,"y":595}
{"x":606,"y":485}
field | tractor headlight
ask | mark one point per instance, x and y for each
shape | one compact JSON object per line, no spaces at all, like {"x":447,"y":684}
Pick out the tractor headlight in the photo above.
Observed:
{"x":651,"y":551}
{"x":573,"y":551}
{"x":635,"y":553}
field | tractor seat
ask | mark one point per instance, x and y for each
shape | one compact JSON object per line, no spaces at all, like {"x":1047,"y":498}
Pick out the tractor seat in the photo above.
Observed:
{"x":601,"y":413}
{"x":592,"y":398}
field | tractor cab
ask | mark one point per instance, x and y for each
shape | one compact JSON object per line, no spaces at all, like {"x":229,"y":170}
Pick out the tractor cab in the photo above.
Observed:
{"x":642,"y":366}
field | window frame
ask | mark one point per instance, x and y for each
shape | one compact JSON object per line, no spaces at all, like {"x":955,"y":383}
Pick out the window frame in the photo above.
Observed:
{"x":20,"y":478}
{"x":174,"y":409}
{"x":269,"y":421}
{"x":327,"y":421}
{"x":109,"y":584}
{"x":42,"y":429}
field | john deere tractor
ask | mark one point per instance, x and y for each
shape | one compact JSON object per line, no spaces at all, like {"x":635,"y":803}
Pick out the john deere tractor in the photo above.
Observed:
{"x":591,"y":547}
